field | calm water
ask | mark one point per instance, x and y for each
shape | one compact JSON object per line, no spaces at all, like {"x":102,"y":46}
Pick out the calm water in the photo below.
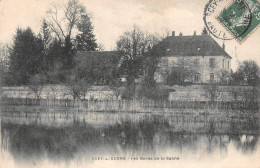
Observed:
{"x":127,"y":140}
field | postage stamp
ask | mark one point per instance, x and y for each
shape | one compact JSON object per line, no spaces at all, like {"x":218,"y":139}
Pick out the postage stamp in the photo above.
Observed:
{"x":232,"y":19}
{"x":241,"y":18}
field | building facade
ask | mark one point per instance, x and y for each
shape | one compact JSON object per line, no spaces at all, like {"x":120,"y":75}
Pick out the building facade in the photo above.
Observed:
{"x":201,"y":55}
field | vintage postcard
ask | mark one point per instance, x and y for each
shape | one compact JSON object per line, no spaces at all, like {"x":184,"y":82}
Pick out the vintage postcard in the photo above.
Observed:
{"x":129,"y":83}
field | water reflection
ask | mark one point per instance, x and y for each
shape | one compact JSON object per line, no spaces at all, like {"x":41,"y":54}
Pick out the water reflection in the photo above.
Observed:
{"x":149,"y":136}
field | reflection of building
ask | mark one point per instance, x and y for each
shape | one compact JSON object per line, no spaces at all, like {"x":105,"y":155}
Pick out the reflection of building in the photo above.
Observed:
{"x":199,"y":53}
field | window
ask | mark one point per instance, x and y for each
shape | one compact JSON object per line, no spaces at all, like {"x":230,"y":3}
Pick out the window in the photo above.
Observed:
{"x":212,"y":62}
{"x":196,"y":77}
{"x":228,"y":65}
{"x":211,"y":77}
{"x":223,"y":63}
{"x":165,"y":62}
{"x":197,"y":62}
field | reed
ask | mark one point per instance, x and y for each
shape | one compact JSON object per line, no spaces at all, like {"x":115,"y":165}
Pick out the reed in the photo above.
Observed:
{"x":133,"y":105}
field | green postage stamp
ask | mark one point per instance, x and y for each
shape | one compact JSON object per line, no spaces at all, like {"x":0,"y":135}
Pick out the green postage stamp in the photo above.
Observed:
{"x":241,"y":18}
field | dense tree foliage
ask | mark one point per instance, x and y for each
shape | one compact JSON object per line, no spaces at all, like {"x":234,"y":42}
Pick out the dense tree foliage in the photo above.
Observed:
{"x":182,"y":72}
{"x":85,"y":40}
{"x":250,"y":71}
{"x":66,"y":20}
{"x":132,"y":45}
{"x":26,"y":58}
{"x":66,"y":30}
{"x":237,"y":78}
{"x":247,"y":74}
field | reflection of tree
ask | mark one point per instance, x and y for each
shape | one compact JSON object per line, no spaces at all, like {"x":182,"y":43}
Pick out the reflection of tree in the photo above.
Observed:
{"x":247,"y":143}
{"x":127,"y":136}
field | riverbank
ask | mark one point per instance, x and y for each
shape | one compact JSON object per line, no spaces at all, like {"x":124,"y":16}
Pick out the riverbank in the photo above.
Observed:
{"x":188,"y":120}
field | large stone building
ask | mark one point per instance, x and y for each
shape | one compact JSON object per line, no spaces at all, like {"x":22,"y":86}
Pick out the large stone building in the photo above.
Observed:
{"x":206,"y":59}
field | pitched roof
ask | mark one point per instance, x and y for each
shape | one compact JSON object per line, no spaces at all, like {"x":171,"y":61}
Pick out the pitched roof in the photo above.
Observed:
{"x":196,"y":45}
{"x":96,"y":58}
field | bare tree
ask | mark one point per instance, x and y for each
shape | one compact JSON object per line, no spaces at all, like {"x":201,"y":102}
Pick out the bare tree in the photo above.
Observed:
{"x":100,"y":47}
{"x":54,"y":91}
{"x":76,"y":87}
{"x":212,"y":91}
{"x":166,"y":33}
{"x":117,"y":87}
{"x":36,"y":84}
{"x":182,"y":71}
{"x":63,"y":19}
{"x":133,"y":45}
{"x":72,"y":26}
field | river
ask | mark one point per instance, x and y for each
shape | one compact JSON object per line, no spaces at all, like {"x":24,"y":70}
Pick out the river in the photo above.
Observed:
{"x":130,"y":140}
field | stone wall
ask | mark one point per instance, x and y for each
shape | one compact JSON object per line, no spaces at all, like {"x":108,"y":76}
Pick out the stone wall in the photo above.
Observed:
{"x":57,"y":92}
{"x":198,"y":93}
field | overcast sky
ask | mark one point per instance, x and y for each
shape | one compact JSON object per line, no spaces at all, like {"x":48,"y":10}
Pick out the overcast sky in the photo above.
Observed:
{"x":111,"y":18}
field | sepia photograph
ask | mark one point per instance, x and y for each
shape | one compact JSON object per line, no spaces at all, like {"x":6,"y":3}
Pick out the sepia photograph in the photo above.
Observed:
{"x":129,"y":83}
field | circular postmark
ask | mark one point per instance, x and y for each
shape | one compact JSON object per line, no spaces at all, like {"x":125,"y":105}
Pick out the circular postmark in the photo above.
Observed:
{"x":225,"y":20}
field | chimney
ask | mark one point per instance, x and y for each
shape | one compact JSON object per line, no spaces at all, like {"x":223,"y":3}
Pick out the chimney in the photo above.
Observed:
{"x":223,"y":45}
{"x":173,"y":33}
{"x":194,"y":34}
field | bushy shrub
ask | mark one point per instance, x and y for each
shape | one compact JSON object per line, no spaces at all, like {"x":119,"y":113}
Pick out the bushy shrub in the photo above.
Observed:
{"x":150,"y":90}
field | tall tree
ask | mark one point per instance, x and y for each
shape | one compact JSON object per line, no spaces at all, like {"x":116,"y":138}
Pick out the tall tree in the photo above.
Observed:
{"x":85,"y":40}
{"x":36,"y":84}
{"x":182,"y":71}
{"x":46,"y":38}
{"x":4,"y":63}
{"x":26,"y":56}
{"x":45,"y":35}
{"x":212,"y":91}
{"x":250,"y":71}
{"x":237,"y":78}
{"x":4,"y":57}
{"x":63,"y":21}
{"x":132,"y":45}
{"x":55,"y":53}
{"x":54,"y":62}
{"x":77,"y":87}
